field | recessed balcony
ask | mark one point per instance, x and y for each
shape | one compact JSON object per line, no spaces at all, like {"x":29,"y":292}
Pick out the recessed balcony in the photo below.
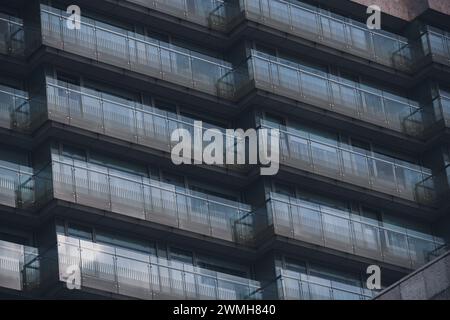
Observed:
{"x":309,"y":287}
{"x":433,"y":45}
{"x":129,"y":50}
{"x":286,"y":78}
{"x":427,"y":120}
{"x":335,"y":229}
{"x":145,"y":199}
{"x":12,"y":40}
{"x":331,"y":30}
{"x":371,"y":171}
{"x":133,"y":274}
{"x":13,"y":258}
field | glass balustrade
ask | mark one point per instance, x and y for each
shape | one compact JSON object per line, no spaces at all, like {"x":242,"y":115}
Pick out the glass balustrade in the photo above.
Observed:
{"x":16,"y":187}
{"x":197,"y":11}
{"x":331,"y":30}
{"x":441,"y":107}
{"x":361,"y":167}
{"x":438,"y":45}
{"x":127,"y":120}
{"x":432,"y":43}
{"x":88,"y":109}
{"x":334,"y":229}
{"x":12,"y":40}
{"x":294,"y":18}
{"x":285,"y":78}
{"x":14,"y":108}
{"x":13,"y":257}
{"x":132,"y":51}
{"x":309,"y":287}
{"x":146,"y":199}
{"x":425,"y":120}
{"x":139,"y":275}
{"x":434,"y":189}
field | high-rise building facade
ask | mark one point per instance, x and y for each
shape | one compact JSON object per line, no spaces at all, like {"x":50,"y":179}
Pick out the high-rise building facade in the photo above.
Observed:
{"x":92,"y":205}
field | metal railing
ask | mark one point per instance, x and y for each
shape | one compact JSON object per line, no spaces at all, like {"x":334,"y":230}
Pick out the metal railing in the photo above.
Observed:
{"x":146,"y":199}
{"x":12,"y":39}
{"x":426,"y":120}
{"x":126,"y":120}
{"x":435,"y":189}
{"x":16,"y":188}
{"x":197,"y":11}
{"x":315,"y":288}
{"x":14,"y":109}
{"x":286,"y":78}
{"x":13,"y":258}
{"x":128,"y":50}
{"x":432,"y":43}
{"x":356,"y":166}
{"x":334,"y":31}
{"x":334,"y":229}
{"x":138,"y":275}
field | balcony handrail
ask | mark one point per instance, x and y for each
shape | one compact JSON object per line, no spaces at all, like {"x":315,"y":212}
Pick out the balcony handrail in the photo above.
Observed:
{"x":12,"y":22}
{"x":338,"y":20}
{"x":426,"y":109}
{"x":442,"y":96}
{"x":443,"y":35}
{"x":150,"y":184}
{"x":309,"y":281}
{"x":268,"y":126}
{"x":433,"y":176}
{"x":256,"y":53}
{"x":274,"y":196}
{"x":14,"y":94}
{"x":18,"y":171}
{"x":165,"y":117}
{"x":186,"y":267}
{"x":142,"y":41}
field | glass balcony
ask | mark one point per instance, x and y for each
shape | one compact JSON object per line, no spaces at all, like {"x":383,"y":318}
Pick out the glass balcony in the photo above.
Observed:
{"x":435,"y":189}
{"x":433,"y":44}
{"x":12,"y":40}
{"x":138,"y":275}
{"x":116,"y":117}
{"x":286,"y":78}
{"x":331,"y":30}
{"x":425,"y":120}
{"x":119,"y":47}
{"x":14,"y":108}
{"x":315,"y":288}
{"x":97,"y":112}
{"x":334,"y":229}
{"x":197,"y":11}
{"x":361,"y":167}
{"x":146,"y":199}
{"x":16,"y":187}
{"x":13,"y":258}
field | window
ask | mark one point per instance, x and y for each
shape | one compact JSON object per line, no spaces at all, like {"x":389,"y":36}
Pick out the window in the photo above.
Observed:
{"x":80,"y":232}
{"x":181,"y":255}
{"x":124,"y":242}
{"x":74,"y":152}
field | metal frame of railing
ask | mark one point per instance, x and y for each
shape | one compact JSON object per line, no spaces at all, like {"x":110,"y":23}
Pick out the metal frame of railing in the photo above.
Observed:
{"x":12,"y":35}
{"x":152,"y":262}
{"x":380,"y":244}
{"x":362,"y":294}
{"x":342,"y":149}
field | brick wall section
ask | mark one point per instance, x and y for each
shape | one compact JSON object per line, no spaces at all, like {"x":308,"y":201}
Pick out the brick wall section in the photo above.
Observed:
{"x":408,"y":9}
